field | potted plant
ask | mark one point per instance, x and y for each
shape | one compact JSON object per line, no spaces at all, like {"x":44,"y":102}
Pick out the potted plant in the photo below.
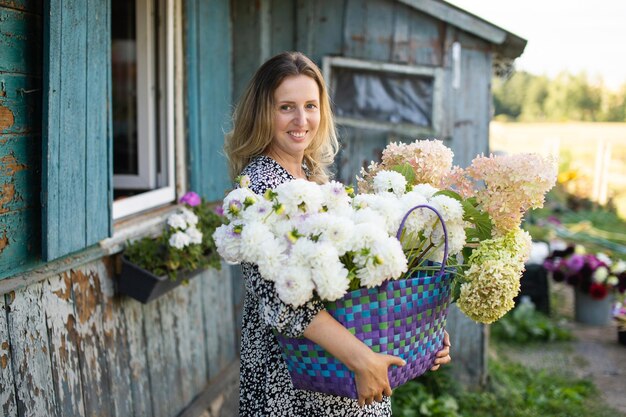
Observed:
{"x":619,"y":314}
{"x":152,"y":266}
{"x":595,"y":278}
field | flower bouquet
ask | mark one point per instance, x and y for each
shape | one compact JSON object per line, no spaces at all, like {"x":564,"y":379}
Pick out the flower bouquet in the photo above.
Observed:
{"x":619,"y":314}
{"x":595,"y":277}
{"x":153,"y":266}
{"x":388,"y":260}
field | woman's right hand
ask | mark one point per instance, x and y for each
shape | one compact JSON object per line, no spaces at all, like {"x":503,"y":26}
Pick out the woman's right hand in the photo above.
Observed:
{"x":371,"y":377}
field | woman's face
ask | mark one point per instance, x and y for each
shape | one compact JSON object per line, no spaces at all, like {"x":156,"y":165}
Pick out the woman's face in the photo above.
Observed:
{"x":296,"y":115}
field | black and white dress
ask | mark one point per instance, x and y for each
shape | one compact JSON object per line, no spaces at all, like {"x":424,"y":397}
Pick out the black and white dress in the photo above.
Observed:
{"x":265,"y":385}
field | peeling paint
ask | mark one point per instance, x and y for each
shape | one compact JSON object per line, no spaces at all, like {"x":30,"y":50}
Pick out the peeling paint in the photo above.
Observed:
{"x":6,"y":118}
{"x":8,"y":194}
{"x":9,"y":165}
{"x":4,"y":241}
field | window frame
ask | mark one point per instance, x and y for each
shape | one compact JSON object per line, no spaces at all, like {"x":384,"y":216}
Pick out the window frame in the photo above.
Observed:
{"x":161,"y":101}
{"x":436,"y":73}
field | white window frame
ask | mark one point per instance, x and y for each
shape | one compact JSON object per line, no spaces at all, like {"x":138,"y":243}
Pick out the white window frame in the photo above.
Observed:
{"x":150,"y":135}
{"x":409,"y":129}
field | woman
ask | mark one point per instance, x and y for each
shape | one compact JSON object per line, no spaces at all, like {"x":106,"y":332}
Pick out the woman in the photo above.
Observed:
{"x":284,"y":129}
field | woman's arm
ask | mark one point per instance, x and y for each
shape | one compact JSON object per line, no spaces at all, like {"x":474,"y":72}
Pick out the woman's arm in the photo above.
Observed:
{"x":370,"y":368}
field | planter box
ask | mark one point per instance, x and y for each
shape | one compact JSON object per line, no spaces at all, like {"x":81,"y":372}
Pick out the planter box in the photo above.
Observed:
{"x":591,"y":311}
{"x":621,"y":337}
{"x":143,"y":285}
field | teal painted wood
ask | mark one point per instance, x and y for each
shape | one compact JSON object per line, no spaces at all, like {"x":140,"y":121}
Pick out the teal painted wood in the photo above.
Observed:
{"x":19,"y":173}
{"x":426,"y":36}
{"x":226,"y":322}
{"x":359,"y":148}
{"x":379,"y":26}
{"x":18,"y":33}
{"x":8,"y":405}
{"x":76,"y":174}
{"x":33,"y":6}
{"x":212,"y":312}
{"x":32,"y":368}
{"x":19,"y":241}
{"x":319,"y":28}
{"x":209,"y":90}
{"x":20,"y":104}
{"x":58,"y":304}
{"x":198,"y":374}
{"x":155,"y":355}
{"x":354,"y":31}
{"x":246,"y":43}
{"x":169,"y":354}
{"x":283,"y":19}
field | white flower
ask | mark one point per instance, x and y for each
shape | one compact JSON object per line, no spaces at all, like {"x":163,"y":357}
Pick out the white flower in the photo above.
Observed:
{"x":367,"y":215}
{"x":619,"y":267}
{"x":189,"y":216}
{"x":328,"y":228}
{"x":238,"y":200}
{"x":260,"y":211}
{"x":601,"y":274}
{"x":331,"y":282}
{"x":228,"y":242}
{"x":336,"y":199}
{"x":256,"y":238}
{"x":418,"y":218}
{"x":385,"y":204}
{"x":449,"y":208}
{"x":179,"y":240}
{"x":389,"y":181}
{"x":604,"y":258}
{"x":612,"y":280}
{"x":366,"y":235}
{"x":195,"y":236}
{"x":294,"y":285}
{"x":273,"y":260}
{"x":426,"y":190}
{"x":177,"y":221}
{"x":385,"y":260}
{"x":299,"y":196}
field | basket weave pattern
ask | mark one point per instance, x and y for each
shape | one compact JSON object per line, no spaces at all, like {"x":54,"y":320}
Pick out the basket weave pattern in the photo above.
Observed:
{"x":404,"y":318}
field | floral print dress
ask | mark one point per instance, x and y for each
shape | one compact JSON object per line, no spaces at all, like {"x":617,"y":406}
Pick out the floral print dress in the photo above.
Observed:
{"x":265,"y":385}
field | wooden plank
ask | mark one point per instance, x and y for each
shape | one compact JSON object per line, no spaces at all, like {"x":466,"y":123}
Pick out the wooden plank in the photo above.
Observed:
{"x":20,"y":105}
{"x":424,"y":39}
{"x":211,"y":309}
{"x":239,"y":294}
{"x":61,"y":321}
{"x":469,"y":347}
{"x":319,"y":28}
{"x":226,"y":325}
{"x":359,"y":148}
{"x":283,"y":20}
{"x":8,"y":404}
{"x":138,"y":362}
{"x":98,"y":141}
{"x":19,"y":242}
{"x":159,"y":390}
{"x":198,"y":374}
{"x":20,"y":42}
{"x":459,"y":18}
{"x":182,"y":338}
{"x":400,"y":50}
{"x":246,"y":44}
{"x":379,"y":23}
{"x":30,"y":354}
{"x":33,"y":6}
{"x":115,"y":342}
{"x":20,"y":159}
{"x":355,"y":38}
{"x":169,"y":355}
{"x":208,"y":173}
{"x":95,"y":378}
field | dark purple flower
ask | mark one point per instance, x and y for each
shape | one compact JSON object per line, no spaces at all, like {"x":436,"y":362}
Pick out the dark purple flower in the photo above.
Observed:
{"x":550,"y":265}
{"x":575,"y":262}
{"x":219,"y":210}
{"x":594,"y":263}
{"x":191,"y":199}
{"x":553,"y":220}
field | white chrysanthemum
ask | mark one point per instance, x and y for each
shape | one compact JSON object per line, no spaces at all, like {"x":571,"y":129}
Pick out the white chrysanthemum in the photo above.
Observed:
{"x":237,"y":200}
{"x":327,"y":228}
{"x":365,"y":235}
{"x":331,"y":281}
{"x":456,"y":241}
{"x":384,"y":260}
{"x":273,"y":261}
{"x":450,"y":209}
{"x":368,"y":215}
{"x":426,"y":190}
{"x":189,"y":216}
{"x":228,"y":243}
{"x":385,"y":204}
{"x":256,"y":237}
{"x":179,"y":240}
{"x":195,"y":236}
{"x":299,"y":196}
{"x":261,"y":211}
{"x":418,"y":218}
{"x":281,"y":229}
{"x":335,"y":197}
{"x":389,"y":181}
{"x":294,"y":285}
{"x":177,"y":221}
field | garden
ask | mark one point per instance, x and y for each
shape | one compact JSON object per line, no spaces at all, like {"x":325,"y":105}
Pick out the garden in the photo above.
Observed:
{"x":561,"y":351}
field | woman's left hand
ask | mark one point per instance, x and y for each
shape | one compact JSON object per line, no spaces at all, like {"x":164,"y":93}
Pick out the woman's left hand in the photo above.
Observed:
{"x":443,"y":356}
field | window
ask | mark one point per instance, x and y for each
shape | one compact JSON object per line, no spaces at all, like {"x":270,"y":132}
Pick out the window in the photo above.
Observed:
{"x":384,"y":96}
{"x":142,"y":71}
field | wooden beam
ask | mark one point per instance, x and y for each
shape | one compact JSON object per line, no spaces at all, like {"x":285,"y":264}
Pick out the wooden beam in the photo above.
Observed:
{"x":227,"y":378}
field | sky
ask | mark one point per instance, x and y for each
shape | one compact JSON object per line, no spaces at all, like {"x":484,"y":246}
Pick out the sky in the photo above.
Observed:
{"x":563,"y":35}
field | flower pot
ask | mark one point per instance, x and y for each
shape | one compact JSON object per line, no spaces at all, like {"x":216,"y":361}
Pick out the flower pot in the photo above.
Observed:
{"x":143,"y":285}
{"x":621,"y":337}
{"x":591,"y":311}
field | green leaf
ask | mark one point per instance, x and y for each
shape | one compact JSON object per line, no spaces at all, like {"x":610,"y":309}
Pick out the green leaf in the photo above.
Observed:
{"x":406,"y":170}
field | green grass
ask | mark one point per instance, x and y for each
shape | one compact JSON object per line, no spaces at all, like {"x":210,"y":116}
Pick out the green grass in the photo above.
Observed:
{"x":512,"y":390}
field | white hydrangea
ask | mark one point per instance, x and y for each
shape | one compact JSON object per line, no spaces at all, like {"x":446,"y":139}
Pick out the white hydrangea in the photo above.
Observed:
{"x":195,"y":236}
{"x":294,"y":285}
{"x":177,"y":221}
{"x":190,"y":218}
{"x":389,"y":181}
{"x":299,"y":196}
{"x":228,"y":243}
{"x":238,"y":200}
{"x":179,"y":240}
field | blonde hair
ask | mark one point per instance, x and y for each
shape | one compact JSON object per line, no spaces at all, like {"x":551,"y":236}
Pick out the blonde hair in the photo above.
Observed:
{"x":253,"y":119}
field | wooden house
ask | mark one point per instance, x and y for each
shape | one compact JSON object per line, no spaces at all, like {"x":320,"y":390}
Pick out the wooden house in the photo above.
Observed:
{"x":111,"y":109}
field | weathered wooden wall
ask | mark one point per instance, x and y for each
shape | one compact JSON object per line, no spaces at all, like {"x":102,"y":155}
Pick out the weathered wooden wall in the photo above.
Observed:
{"x":69,"y":346}
{"x":20,"y":133}
{"x":387,"y":31}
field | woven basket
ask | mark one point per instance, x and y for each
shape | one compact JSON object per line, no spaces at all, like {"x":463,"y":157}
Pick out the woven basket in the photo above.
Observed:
{"x":404,"y":318}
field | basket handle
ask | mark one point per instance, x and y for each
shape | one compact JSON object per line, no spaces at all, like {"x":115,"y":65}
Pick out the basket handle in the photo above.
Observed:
{"x":445,"y":233}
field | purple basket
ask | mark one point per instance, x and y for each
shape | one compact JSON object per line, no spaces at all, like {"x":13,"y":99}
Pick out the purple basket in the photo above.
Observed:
{"x":404,"y":318}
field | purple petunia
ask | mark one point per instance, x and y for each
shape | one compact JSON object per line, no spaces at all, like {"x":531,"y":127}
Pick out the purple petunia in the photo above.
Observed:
{"x":191,"y":199}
